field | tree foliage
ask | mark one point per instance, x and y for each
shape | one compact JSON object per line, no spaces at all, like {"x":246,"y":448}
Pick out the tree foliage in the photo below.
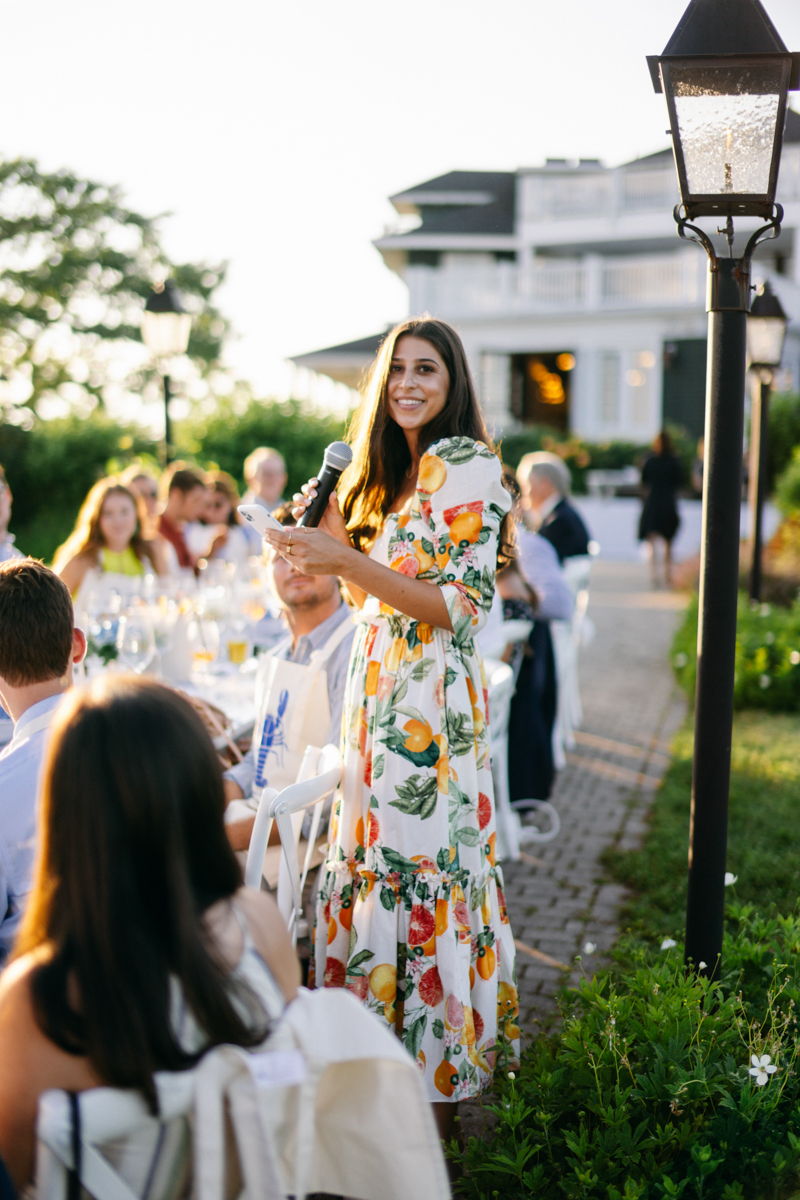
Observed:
{"x":76,"y":265}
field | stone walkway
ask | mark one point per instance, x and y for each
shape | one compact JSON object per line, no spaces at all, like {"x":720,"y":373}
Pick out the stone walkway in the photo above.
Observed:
{"x":557,"y":899}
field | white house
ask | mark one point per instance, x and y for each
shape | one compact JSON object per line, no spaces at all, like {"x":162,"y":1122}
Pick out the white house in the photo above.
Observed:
{"x":579,"y":306}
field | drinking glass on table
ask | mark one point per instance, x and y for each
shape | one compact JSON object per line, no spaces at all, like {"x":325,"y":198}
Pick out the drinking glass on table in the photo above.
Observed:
{"x":203,"y":637}
{"x":136,"y":644}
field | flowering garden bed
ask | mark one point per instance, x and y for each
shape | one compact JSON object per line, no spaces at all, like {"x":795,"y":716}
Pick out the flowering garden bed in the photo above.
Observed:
{"x":656,"y":1084}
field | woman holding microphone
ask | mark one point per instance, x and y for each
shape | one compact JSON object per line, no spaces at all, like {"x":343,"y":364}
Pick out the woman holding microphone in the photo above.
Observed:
{"x":411,"y":915}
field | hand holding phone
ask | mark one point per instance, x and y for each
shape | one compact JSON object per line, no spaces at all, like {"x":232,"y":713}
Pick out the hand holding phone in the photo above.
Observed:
{"x":260,"y":518}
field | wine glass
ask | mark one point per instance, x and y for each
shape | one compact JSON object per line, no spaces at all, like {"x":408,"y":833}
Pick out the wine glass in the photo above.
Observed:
{"x":135,"y":642}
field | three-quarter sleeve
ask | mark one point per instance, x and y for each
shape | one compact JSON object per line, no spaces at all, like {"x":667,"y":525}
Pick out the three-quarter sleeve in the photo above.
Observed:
{"x":462,"y":497}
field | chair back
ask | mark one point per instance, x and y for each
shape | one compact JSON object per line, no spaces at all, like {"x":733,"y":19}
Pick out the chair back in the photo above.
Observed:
{"x":331,"y":1102}
{"x":287,"y":809}
{"x":501,"y":685}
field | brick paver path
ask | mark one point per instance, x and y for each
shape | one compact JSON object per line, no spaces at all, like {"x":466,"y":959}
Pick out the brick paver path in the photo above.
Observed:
{"x":557,"y":898}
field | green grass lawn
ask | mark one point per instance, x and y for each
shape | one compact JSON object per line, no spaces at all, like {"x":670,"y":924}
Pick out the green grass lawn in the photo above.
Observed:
{"x":763,"y":829}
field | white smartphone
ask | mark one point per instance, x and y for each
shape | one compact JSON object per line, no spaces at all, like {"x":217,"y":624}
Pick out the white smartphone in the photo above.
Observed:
{"x":258,"y":516}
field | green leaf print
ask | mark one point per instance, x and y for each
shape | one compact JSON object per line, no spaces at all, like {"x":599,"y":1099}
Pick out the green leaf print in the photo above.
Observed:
{"x":396,"y":862}
{"x":399,"y":692}
{"x":427,"y":546}
{"x":468,"y":836}
{"x":414,"y":713}
{"x":443,"y":859}
{"x":462,"y":630}
{"x":460,"y":450}
{"x":420,"y":758}
{"x":416,"y":797}
{"x":357,"y":959}
{"x":377,"y":769}
{"x":460,"y":735}
{"x":412,"y":1037}
{"x":437,"y":1028}
{"x":450,"y":676}
{"x":422,"y":669}
{"x":387,"y":899}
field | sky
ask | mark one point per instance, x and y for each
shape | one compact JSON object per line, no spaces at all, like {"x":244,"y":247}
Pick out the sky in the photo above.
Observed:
{"x":273,"y":134}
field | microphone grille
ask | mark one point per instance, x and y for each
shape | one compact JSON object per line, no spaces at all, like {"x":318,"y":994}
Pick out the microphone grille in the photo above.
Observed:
{"x":338,"y":455}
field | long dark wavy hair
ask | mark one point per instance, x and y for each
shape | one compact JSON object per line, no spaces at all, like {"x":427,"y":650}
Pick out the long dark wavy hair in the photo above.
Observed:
{"x":381,"y":456}
{"x":132,"y":852}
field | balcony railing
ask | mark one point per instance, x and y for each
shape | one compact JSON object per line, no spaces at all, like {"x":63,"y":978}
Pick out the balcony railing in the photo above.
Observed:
{"x":590,"y":285}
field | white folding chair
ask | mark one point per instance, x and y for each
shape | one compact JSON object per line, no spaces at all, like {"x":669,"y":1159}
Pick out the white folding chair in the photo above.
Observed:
{"x":320,"y":774}
{"x":568,"y":637}
{"x":501,"y":681}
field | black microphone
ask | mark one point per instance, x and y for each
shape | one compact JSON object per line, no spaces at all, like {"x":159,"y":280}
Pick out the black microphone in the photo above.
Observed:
{"x":338,"y":457}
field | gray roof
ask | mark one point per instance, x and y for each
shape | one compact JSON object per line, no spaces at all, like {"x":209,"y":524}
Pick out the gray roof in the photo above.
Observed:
{"x":346,"y":362}
{"x":462,"y":202}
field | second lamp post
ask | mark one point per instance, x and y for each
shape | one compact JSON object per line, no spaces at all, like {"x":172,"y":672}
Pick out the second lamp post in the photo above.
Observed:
{"x":165,"y":331}
{"x":766,"y":330}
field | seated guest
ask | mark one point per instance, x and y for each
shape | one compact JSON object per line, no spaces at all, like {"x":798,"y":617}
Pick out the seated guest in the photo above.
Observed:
{"x":145,"y":486}
{"x":220,"y":533}
{"x":7,"y":547}
{"x":108,"y":537}
{"x":38,"y":646}
{"x":183,"y":496}
{"x":7,"y":550}
{"x":544,"y":480}
{"x":140,"y":949}
{"x":265,"y":476}
{"x":532,"y":587}
{"x":314,"y":612}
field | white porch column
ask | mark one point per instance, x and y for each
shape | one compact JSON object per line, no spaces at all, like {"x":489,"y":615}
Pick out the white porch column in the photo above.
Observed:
{"x":495,"y":391}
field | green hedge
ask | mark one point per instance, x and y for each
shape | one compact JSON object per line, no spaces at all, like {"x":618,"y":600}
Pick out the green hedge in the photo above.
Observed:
{"x":582,"y":456}
{"x":767,"y":656}
{"x":51,"y":468}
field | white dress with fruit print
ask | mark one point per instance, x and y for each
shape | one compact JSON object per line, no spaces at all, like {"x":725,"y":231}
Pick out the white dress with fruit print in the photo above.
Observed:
{"x":411,"y":915}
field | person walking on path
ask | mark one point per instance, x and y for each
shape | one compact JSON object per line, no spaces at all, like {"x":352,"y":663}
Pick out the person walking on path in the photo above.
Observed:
{"x":411,"y":915}
{"x":662,"y":475}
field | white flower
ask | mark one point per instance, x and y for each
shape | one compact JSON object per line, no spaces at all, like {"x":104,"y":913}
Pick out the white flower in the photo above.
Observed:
{"x":701,"y":966}
{"x":668,"y":943}
{"x":730,"y":879}
{"x":681,"y":660}
{"x":762,"y":1068}
{"x":764,"y":681}
{"x":589,"y":948}
{"x":511,"y":1075}
{"x":769,"y":638}
{"x":766,"y":609}
{"x":794,"y":657}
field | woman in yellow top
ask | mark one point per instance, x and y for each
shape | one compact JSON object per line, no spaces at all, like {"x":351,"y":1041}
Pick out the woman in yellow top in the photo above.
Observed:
{"x":108,"y":537}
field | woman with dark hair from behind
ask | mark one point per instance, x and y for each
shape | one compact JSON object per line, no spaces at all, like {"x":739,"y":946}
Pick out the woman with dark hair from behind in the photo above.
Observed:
{"x":139,"y":949}
{"x":662,"y":476}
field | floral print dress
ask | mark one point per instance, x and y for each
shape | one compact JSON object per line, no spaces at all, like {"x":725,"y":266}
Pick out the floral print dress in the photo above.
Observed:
{"x":410,"y":915}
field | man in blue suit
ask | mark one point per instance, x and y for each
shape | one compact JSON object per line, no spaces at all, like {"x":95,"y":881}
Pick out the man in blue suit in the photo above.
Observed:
{"x":544,"y":481}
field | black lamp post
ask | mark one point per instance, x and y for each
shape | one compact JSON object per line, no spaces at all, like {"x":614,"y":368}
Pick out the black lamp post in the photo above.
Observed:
{"x":165,"y":331}
{"x":766,"y":330}
{"x":726,"y":74}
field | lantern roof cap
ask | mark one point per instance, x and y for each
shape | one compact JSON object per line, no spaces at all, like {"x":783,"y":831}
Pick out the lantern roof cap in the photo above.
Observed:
{"x":711,"y":28}
{"x":164,"y":298}
{"x":766,"y":304}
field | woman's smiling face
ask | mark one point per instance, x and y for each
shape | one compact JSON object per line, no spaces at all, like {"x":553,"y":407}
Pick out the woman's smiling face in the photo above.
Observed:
{"x":418,"y":384}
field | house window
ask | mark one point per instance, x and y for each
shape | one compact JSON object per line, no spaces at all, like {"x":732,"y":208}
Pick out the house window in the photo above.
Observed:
{"x":540,"y":388}
{"x":609,"y":388}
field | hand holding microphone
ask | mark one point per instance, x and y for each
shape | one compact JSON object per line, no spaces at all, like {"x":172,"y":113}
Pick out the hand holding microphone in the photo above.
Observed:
{"x":314,"y":546}
{"x":337,"y":458}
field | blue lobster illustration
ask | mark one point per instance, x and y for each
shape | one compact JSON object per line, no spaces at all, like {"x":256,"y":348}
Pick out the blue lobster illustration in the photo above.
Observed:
{"x":272,"y":740}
